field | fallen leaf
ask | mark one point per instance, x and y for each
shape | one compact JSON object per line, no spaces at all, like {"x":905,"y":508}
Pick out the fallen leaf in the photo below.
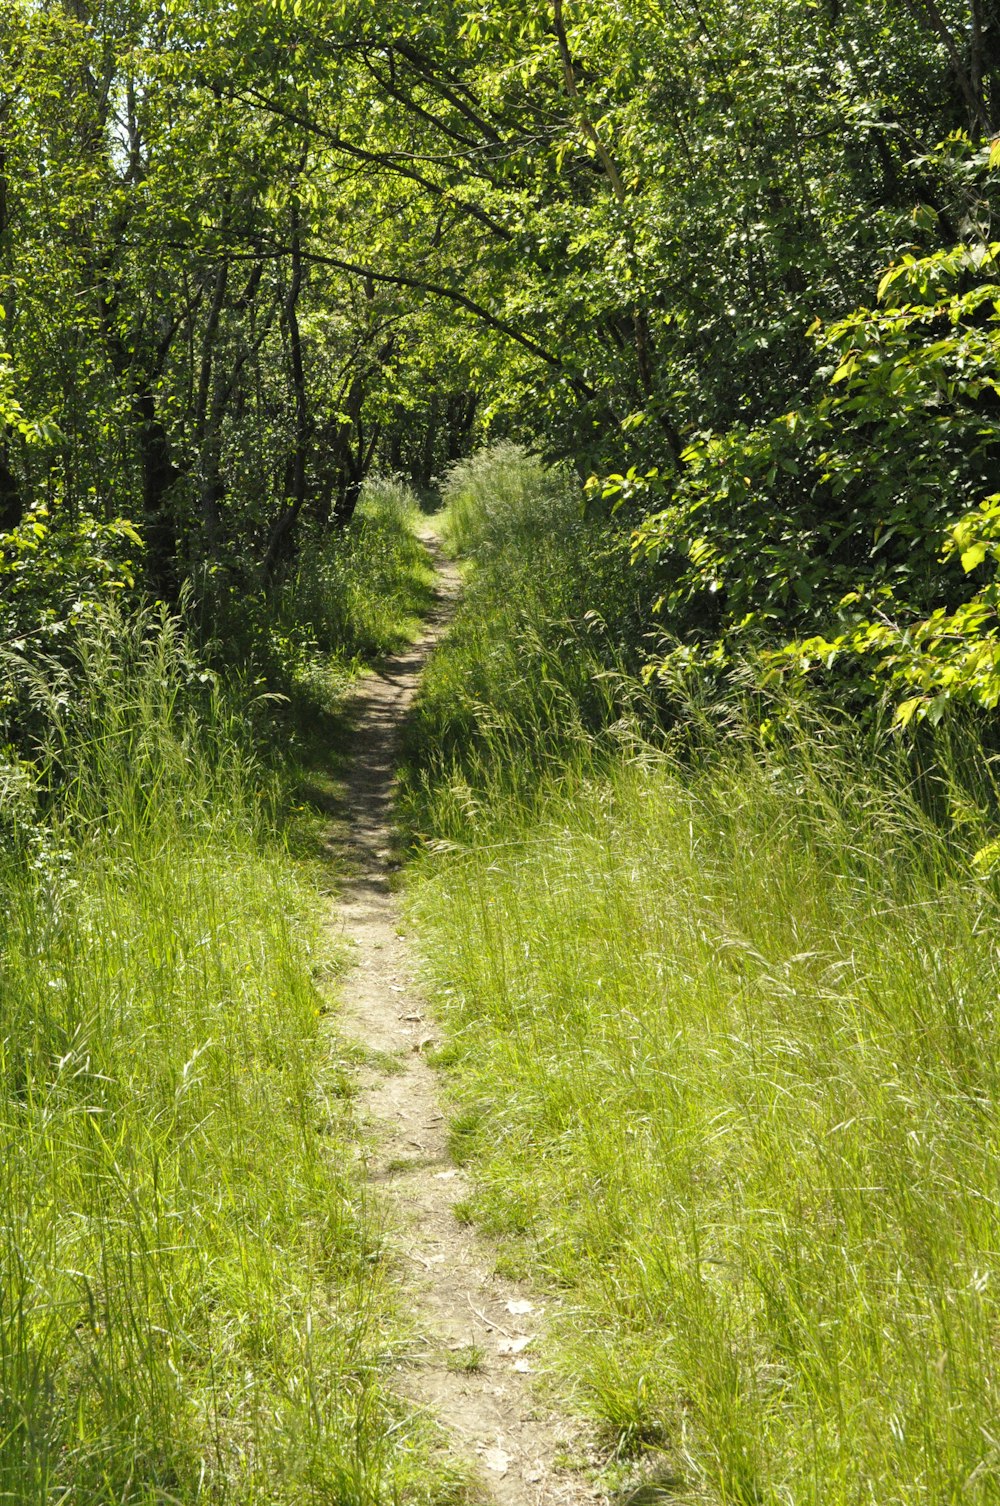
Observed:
{"x":514,"y":1346}
{"x":518,"y":1306}
{"x":413,"y":1019}
{"x":496,"y":1460}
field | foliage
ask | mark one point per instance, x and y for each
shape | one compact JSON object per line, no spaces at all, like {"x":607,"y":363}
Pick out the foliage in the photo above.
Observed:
{"x":53,"y":569}
{"x":431,"y":219}
{"x":947,"y":657}
{"x":837,"y":512}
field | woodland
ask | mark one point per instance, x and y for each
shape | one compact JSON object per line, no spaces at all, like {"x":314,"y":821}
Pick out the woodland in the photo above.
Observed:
{"x":677,"y":326}
{"x":733,"y":266}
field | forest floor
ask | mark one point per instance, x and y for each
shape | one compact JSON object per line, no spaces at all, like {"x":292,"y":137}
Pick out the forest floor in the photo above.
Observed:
{"x":472,"y":1361}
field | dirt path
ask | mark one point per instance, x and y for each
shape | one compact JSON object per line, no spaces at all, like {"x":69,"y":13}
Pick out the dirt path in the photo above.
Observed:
{"x":473,"y":1363}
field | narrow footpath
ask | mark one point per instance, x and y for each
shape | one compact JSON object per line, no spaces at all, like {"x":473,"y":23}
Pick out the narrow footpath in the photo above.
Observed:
{"x":473,"y":1361}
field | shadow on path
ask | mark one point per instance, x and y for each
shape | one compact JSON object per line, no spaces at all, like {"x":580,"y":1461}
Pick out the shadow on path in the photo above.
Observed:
{"x":473,"y":1360}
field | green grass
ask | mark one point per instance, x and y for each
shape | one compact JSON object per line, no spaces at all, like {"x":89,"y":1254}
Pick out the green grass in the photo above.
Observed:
{"x":538,"y":671}
{"x":352,"y":596}
{"x":503,"y":500}
{"x":194,"y":1303}
{"x":722,"y":1035}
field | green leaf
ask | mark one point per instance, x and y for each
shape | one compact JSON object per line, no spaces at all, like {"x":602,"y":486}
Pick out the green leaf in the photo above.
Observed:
{"x":973,"y":556}
{"x":845,"y":370}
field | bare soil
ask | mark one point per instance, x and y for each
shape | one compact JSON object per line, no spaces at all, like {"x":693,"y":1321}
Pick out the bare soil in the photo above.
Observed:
{"x":474,"y":1364}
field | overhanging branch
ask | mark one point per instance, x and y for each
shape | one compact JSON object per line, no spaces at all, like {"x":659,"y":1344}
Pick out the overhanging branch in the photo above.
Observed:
{"x":462,"y":300}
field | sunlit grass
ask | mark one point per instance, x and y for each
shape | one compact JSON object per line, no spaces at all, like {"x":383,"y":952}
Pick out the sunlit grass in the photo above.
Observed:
{"x":727,"y":1058}
{"x":722,"y":1035}
{"x":354,"y":595}
{"x":538,"y":671}
{"x":194,"y":1304}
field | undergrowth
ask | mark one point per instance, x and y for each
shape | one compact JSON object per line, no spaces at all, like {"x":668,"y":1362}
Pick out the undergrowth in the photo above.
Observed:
{"x":353,"y":595}
{"x":348,"y":597}
{"x":722,"y":1035}
{"x":539,"y":668}
{"x":193,"y":1296}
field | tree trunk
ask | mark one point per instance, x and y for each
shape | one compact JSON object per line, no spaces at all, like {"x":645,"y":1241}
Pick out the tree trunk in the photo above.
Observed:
{"x":11,"y":500}
{"x":425,"y":468}
{"x":280,"y":541}
{"x":159,"y":475}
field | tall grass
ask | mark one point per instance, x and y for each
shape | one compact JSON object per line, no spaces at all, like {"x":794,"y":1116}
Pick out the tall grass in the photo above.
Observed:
{"x":539,"y":668}
{"x":352,"y":596}
{"x":503,"y":500}
{"x":723,"y":1040}
{"x":192,"y":1292}
{"x":347,"y":596}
